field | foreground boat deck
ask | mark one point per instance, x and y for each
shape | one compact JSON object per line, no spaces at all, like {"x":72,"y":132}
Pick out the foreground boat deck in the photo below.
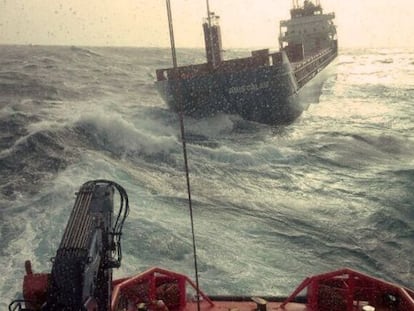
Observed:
{"x":245,"y":306}
{"x":341,"y":290}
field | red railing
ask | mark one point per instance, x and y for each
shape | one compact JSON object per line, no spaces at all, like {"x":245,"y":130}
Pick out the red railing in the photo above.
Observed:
{"x":152,"y":286}
{"x":349,"y":290}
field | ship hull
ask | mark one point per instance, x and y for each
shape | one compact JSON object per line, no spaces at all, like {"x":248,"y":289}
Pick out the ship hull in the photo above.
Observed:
{"x":269,"y":94}
{"x":266,"y":95}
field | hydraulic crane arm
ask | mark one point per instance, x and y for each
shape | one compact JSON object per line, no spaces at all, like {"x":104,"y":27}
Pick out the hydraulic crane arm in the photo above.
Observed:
{"x":90,"y":248}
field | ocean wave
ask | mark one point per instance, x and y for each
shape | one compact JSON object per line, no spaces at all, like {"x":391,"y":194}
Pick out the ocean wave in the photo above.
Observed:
{"x":406,"y":174}
{"x":386,"y":143}
{"x":20,"y":84}
{"x":121,"y":138}
{"x":84,"y":51}
{"x":38,"y":63}
{"x":216,"y":126}
{"x":49,"y":61}
{"x":384,"y":90}
{"x":13,"y":127}
{"x":32,"y":159}
{"x":30,"y":67}
{"x":159,"y":240}
{"x":385,"y":61}
{"x":358,"y":150}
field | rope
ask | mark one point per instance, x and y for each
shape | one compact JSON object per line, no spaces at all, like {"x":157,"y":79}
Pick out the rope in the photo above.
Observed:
{"x":190,"y":205}
{"x":179,"y":97}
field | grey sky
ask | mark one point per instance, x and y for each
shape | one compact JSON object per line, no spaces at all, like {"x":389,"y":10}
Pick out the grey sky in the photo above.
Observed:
{"x":245,"y":23}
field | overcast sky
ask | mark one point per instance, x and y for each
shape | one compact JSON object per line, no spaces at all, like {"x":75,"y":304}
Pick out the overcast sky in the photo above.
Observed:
{"x":244,"y":23}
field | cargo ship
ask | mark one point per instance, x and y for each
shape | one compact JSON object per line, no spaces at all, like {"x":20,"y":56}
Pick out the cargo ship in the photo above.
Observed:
{"x":81,"y":275}
{"x":264,"y":87}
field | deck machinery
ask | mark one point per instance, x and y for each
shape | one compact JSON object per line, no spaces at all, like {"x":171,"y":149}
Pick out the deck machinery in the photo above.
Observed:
{"x":81,"y":276}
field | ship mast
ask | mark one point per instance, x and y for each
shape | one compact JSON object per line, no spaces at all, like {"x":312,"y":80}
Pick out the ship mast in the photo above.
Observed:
{"x":210,"y":35}
{"x":172,"y":41}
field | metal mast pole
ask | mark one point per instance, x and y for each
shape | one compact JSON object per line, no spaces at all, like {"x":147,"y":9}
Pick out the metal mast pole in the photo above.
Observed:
{"x":170,"y":25}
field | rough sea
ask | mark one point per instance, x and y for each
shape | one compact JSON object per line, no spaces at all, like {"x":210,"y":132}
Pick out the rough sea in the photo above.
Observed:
{"x":272,"y":205}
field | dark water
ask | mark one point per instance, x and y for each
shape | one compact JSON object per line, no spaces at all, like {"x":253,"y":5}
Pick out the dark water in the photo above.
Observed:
{"x":271,"y":204}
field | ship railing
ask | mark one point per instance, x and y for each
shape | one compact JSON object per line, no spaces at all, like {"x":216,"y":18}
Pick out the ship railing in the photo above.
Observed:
{"x":313,"y":58}
{"x":182,"y":72}
{"x":349,"y":290}
{"x":305,"y":71}
{"x":322,"y":17}
{"x":258,"y":58}
{"x":157,"y":284}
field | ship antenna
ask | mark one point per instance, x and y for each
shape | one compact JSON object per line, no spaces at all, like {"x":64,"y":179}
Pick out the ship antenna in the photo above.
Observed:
{"x":181,"y":116}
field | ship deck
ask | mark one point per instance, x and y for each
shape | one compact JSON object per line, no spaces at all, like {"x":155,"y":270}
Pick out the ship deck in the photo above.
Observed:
{"x":307,"y":68}
{"x":245,"y":306}
{"x":271,"y":306}
{"x":341,"y":290}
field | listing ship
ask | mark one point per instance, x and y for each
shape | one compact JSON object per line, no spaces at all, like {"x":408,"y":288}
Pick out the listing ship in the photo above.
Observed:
{"x":263,"y":87}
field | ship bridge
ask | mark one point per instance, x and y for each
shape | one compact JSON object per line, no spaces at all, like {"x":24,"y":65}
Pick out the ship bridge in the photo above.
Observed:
{"x":308,"y":9}
{"x":308,"y":31}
